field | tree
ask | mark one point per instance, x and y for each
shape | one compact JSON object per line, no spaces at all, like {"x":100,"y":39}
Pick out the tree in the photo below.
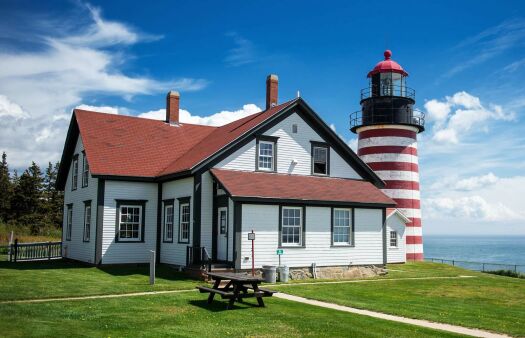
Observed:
{"x":5,"y":189}
{"x":27,"y":196}
{"x":53,"y":199}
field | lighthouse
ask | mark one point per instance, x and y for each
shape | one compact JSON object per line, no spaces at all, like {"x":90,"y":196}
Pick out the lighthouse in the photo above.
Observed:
{"x":387,"y":126}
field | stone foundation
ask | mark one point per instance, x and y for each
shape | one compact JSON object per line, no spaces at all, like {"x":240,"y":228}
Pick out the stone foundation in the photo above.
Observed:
{"x":337,"y":272}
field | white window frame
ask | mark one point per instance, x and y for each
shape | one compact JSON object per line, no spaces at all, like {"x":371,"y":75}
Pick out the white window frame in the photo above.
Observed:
{"x":348,"y":227}
{"x":87,"y":222}
{"x":272,"y":157}
{"x":168,"y":224}
{"x":395,"y":239}
{"x":300,"y":227}
{"x":327,"y":150}
{"x":139,"y":231}
{"x":69,"y":221}
{"x":74,"y":174}
{"x":85,"y":171}
{"x":184,"y":223}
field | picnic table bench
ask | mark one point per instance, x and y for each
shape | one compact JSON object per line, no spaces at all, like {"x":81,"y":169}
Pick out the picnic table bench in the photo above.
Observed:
{"x":238,"y":287}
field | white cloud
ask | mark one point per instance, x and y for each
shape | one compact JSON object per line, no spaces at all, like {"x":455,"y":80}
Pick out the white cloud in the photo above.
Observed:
{"x":489,"y":44}
{"x":101,"y":109}
{"x":63,"y":67}
{"x":11,"y":109}
{"x":243,"y":52}
{"x":458,"y":115}
{"x":476,"y":182}
{"x":217,"y":119}
{"x":470,"y":207}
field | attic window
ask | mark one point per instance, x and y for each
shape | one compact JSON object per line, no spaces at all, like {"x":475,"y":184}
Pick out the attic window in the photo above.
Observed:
{"x":266,"y":153}
{"x":320,"y":158}
{"x":294,"y":128}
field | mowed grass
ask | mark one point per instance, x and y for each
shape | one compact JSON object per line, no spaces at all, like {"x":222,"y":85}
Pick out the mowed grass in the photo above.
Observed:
{"x":50,"y":279}
{"x":187,"y":314}
{"x":488,"y":302}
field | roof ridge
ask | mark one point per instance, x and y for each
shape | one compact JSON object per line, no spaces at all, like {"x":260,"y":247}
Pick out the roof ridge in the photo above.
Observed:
{"x":142,"y":118}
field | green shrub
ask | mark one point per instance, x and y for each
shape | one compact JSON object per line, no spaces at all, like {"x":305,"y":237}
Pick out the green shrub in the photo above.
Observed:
{"x":507,"y":273}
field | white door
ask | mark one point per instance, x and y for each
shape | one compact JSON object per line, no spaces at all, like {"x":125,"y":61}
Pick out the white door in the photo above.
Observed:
{"x":222,"y":231}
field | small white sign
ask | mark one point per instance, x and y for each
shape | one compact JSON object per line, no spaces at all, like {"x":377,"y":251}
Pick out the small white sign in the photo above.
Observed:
{"x":251,"y":236}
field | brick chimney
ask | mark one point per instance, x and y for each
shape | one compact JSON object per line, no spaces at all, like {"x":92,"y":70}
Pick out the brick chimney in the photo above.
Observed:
{"x":272,"y":85}
{"x":172,"y":107}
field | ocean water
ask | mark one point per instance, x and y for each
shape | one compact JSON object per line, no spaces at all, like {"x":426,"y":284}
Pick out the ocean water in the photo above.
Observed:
{"x":508,"y":250}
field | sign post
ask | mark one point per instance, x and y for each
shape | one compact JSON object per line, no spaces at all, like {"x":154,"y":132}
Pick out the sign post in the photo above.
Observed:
{"x":251,"y":237}
{"x":152,"y":267}
{"x":279,"y":253}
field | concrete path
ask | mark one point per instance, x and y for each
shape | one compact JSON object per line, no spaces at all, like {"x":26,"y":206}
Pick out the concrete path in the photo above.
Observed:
{"x":119,"y":295}
{"x":399,"y":319}
{"x":369,"y":280}
{"x":148,"y":293}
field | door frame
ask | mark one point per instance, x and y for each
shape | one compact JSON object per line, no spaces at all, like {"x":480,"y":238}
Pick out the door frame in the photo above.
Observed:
{"x":226,"y":235}
{"x":220,"y":201}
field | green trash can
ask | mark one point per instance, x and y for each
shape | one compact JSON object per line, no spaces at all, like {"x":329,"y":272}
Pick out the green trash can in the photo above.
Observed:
{"x":269,"y":273}
{"x":284,"y":273}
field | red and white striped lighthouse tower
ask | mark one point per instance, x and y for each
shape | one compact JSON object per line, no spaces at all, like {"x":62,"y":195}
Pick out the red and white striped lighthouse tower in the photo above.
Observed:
{"x":387,"y":126}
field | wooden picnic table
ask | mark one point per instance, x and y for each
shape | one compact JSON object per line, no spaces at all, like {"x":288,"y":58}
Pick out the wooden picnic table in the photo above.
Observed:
{"x":239,"y":286}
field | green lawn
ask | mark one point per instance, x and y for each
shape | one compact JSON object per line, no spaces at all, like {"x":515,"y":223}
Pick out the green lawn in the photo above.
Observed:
{"x":489,"y":302}
{"x":28,"y":280}
{"x":188,"y":315}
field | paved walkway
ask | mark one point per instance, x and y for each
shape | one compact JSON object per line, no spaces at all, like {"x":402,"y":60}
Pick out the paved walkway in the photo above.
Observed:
{"x":119,"y":295}
{"x":399,"y":319}
{"x":148,"y":293}
{"x":370,"y":280}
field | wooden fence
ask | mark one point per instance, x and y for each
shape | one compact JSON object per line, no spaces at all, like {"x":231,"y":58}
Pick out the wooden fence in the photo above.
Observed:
{"x":34,"y":251}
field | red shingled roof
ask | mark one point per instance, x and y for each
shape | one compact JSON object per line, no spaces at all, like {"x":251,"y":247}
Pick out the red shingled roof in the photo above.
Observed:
{"x":299,"y":187}
{"x":131,"y":146}
{"x":120,"y":145}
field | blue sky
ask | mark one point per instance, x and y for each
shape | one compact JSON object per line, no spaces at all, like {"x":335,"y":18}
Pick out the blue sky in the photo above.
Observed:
{"x":466,"y":61}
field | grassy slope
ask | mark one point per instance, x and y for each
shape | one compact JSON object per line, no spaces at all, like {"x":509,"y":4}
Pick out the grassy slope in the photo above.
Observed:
{"x":60,"y":279}
{"x":489,"y":302}
{"x":187,"y":314}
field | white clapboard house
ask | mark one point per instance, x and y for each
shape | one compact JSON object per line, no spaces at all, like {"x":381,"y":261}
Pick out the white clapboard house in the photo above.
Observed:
{"x":189,"y":191}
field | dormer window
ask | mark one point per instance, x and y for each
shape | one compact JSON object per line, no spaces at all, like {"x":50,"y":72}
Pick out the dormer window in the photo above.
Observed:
{"x":320,"y":158}
{"x":266,"y":153}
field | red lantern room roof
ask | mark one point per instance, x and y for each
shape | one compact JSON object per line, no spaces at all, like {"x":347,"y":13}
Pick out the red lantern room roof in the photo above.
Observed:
{"x":387,"y":66}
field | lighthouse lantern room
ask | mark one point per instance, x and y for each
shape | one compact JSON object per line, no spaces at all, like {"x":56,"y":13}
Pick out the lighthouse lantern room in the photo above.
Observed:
{"x":387,"y":126}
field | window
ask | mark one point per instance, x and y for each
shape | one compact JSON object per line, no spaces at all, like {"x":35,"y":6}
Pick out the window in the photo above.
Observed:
{"x":85,"y":171}
{"x":342,"y":225}
{"x":294,"y":128}
{"x":74,"y":174}
{"x":130,"y":223}
{"x":320,"y":159}
{"x":222,"y":221}
{"x":393,"y":238}
{"x":168,"y":221}
{"x":292,"y":226}
{"x":266,"y":156}
{"x":87,"y":221}
{"x":69,"y":221}
{"x":184,"y":222}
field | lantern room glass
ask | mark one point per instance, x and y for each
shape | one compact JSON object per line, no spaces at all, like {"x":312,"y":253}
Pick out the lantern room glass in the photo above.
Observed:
{"x":392,"y":84}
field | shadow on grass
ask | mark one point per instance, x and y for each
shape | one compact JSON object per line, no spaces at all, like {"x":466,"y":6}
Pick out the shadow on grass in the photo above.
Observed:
{"x":41,"y":265}
{"x":219,"y":305}
{"x":162,"y":271}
